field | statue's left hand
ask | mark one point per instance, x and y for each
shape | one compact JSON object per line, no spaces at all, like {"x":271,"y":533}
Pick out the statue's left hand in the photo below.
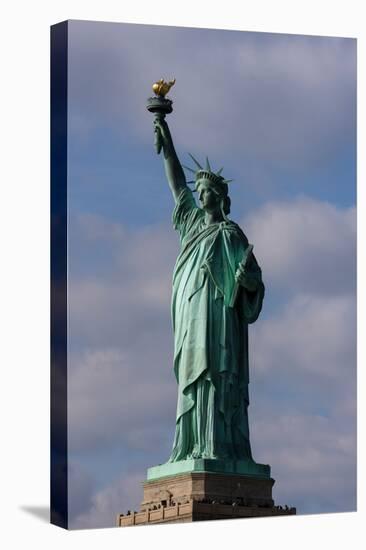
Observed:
{"x":243,"y":279}
{"x":240,"y":276}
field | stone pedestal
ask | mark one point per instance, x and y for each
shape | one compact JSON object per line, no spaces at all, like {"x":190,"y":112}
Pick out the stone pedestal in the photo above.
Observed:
{"x":207,"y":487}
{"x":198,"y":496}
{"x":199,"y":511}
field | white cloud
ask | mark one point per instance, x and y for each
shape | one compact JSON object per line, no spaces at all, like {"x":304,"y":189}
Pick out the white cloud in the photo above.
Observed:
{"x":120,"y":496}
{"x":81,"y":487}
{"x":313,"y":460}
{"x":305,"y":245}
{"x":119,"y":399}
{"x":122,"y":389}
{"x":120,"y":282}
{"x":303,"y":354}
{"x":311,"y":336}
{"x":285,"y":99}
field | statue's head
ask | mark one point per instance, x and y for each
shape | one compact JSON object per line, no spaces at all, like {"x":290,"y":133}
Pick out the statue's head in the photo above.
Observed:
{"x":212,"y":188}
{"x":212,"y":194}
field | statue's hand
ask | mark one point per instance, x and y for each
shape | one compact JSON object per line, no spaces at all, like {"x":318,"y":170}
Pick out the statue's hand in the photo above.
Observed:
{"x":243,"y":279}
{"x":158,"y":140}
{"x":240,"y":275}
{"x":158,"y":132}
{"x":162,"y":134}
{"x":161,"y":127}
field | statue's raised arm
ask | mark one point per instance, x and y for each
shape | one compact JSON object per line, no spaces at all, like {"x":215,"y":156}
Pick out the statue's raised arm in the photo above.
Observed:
{"x":173,"y":168}
{"x":161,"y":106}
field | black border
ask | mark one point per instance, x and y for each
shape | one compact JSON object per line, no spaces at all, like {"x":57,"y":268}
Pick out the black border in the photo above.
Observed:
{"x":59,"y":464}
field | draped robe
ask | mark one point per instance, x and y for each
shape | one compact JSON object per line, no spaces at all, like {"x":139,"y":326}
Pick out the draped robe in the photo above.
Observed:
{"x":210,"y":337}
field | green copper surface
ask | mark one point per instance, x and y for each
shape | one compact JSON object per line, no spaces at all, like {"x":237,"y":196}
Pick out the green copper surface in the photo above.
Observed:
{"x":211,"y":338}
{"x":215,"y":296}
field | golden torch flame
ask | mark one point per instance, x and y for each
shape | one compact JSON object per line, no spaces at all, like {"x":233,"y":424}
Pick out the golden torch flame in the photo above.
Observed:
{"x":161,"y":88}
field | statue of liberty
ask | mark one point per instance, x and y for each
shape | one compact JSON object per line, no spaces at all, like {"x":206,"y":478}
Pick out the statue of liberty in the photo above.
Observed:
{"x":217,"y":292}
{"x":210,"y":316}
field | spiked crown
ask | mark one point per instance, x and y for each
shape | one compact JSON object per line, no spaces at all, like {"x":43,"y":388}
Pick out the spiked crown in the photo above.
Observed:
{"x":207,"y":174}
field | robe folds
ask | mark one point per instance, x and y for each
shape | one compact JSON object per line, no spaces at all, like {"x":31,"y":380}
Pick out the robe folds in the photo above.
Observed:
{"x":210,"y":337}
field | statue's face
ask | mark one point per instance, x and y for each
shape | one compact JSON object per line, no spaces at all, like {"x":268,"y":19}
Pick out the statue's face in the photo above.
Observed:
{"x":209,"y":200}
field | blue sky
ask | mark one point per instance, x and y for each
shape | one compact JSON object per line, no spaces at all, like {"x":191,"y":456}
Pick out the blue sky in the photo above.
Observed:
{"x":279,"y":113}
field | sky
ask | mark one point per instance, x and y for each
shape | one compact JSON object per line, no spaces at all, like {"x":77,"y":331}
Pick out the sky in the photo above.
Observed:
{"x":278,"y":112}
